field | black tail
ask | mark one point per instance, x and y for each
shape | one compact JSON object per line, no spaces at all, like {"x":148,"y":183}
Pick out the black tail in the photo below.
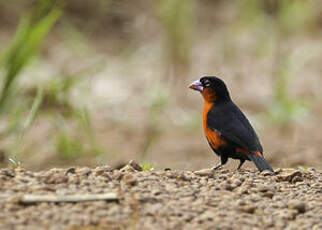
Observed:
{"x":260,"y":162}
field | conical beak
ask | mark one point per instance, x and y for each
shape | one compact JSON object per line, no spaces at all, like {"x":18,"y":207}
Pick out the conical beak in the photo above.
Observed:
{"x":196,"y":85}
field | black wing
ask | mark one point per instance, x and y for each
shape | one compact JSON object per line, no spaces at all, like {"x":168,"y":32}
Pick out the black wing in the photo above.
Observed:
{"x":233,"y":126}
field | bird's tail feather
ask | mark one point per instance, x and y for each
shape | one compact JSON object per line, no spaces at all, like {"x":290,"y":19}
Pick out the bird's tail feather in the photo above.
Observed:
{"x":260,"y":162}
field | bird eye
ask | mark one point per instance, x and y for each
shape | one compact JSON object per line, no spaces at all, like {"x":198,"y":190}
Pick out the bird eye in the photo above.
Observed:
{"x":206,"y":83}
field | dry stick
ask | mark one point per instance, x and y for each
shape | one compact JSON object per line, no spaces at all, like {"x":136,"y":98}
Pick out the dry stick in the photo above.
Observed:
{"x":30,"y":199}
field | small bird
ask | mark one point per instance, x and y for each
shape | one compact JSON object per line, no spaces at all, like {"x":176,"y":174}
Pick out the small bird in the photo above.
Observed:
{"x":228,"y":131}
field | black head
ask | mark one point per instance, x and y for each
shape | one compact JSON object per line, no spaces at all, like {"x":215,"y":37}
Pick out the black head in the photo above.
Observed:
{"x":212,"y":88}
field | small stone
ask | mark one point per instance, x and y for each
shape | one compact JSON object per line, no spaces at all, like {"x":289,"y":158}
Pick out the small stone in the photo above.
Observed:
{"x":84,"y":171}
{"x":184,"y":177}
{"x":297,"y":179}
{"x":287,"y":214}
{"x":268,"y":194}
{"x":297,"y":205}
{"x":223,"y":177}
{"x":8,"y":173}
{"x":288,"y":175}
{"x":129,"y":179}
{"x":249,"y":209}
{"x":267,"y":173}
{"x":71,"y":171}
{"x":106,"y":168}
{"x":241,"y":202}
{"x":263,"y":188}
{"x":237,"y":182}
{"x":22,"y":179}
{"x":207,"y":216}
{"x":224,"y":171}
{"x":135,"y":165}
{"x":255,"y":197}
{"x":234,"y":186}
{"x":316,"y":185}
{"x":99,"y":172}
{"x":172,"y":175}
{"x":103,"y":170}
{"x":155,"y":192}
{"x":278,"y":170}
{"x":317,"y":227}
{"x":280,"y":224}
{"x":203,"y":181}
{"x":241,"y":190}
{"x":227,"y":186}
{"x":19,"y":170}
{"x":58,"y":179}
{"x":117,"y":175}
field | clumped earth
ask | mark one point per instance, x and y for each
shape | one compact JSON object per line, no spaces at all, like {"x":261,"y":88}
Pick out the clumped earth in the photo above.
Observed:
{"x":168,"y":199}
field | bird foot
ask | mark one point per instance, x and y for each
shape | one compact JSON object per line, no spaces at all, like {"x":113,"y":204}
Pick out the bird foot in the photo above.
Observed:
{"x":216,"y":167}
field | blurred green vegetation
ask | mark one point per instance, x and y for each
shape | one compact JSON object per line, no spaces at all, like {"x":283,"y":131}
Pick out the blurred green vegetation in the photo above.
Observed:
{"x":177,"y":19}
{"x":166,"y":35}
{"x":146,"y":167}
{"x":281,"y":19}
{"x":29,"y":35}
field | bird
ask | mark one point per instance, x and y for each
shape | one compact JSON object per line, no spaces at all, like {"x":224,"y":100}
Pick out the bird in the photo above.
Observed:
{"x":228,"y":131}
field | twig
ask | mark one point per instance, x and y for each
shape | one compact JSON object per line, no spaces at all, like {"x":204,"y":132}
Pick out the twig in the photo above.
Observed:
{"x":31,"y":199}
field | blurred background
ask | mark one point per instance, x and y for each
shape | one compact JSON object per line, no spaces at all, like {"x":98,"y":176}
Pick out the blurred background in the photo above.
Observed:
{"x":93,"y":82}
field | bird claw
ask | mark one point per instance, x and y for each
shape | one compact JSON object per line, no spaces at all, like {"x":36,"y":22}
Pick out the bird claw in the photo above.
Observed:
{"x":216,"y":167}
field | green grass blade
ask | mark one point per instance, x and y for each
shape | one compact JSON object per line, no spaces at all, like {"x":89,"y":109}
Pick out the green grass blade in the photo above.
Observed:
{"x":27,"y":41}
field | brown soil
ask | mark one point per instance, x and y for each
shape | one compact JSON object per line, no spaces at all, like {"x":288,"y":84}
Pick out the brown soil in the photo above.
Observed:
{"x":169,"y":199}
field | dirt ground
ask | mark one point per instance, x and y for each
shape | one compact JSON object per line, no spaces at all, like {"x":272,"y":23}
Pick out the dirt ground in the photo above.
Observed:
{"x":162,"y":199}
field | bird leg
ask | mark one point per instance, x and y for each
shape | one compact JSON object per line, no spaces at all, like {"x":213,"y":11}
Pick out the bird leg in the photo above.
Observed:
{"x":217,"y":166}
{"x":240,"y":164}
{"x":223,"y":160}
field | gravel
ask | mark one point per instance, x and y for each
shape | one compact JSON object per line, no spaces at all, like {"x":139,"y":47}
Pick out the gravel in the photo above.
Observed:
{"x":171,"y":199}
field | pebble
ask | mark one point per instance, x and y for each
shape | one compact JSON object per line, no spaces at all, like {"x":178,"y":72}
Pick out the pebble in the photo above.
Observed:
{"x":268,"y":194}
{"x":289,"y":174}
{"x":297,"y":179}
{"x":129,"y":179}
{"x":84,"y":171}
{"x":70,"y":170}
{"x":241,"y":202}
{"x":204,"y":199}
{"x":263,"y":188}
{"x":297,"y":205}
{"x":249,"y":209}
{"x":135,"y":165}
{"x":267,"y":173}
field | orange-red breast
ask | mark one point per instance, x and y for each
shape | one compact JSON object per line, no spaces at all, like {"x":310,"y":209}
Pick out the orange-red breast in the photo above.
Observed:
{"x":228,"y":131}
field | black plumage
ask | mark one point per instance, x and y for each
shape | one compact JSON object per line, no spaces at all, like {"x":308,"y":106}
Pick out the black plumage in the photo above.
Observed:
{"x":227,"y":129}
